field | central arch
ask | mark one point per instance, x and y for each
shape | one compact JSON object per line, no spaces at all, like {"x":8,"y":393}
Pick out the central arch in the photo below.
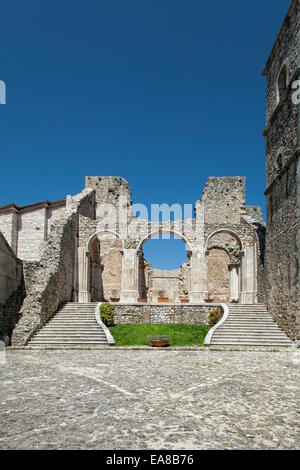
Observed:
{"x":160,"y":232}
{"x":159,"y":284}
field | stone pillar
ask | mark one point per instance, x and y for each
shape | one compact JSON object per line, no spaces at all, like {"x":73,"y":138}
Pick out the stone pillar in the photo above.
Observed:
{"x":198,"y":290}
{"x":75,"y":274}
{"x":248,"y":294}
{"x":234,"y":283}
{"x":129,"y":293}
{"x":84,"y":295}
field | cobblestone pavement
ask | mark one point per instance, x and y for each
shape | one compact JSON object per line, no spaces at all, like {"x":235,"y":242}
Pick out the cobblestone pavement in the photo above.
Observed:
{"x":154,"y":399}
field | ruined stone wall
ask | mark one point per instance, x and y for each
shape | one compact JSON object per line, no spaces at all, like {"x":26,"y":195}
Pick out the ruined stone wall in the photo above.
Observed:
{"x":165,"y":283}
{"x":224,"y":199}
{"x":218,"y":275}
{"x":108,"y":190}
{"x":184,"y":280}
{"x":49,"y":282}
{"x":167,"y":313}
{"x":11,"y":287}
{"x":111,"y":261}
{"x":282,"y":255}
{"x":281,"y":260}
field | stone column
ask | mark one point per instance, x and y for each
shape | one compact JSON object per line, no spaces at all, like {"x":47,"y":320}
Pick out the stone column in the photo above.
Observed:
{"x":84,"y":295}
{"x":129,"y":293}
{"x":248,"y":294}
{"x":234,"y":283}
{"x":198,"y":290}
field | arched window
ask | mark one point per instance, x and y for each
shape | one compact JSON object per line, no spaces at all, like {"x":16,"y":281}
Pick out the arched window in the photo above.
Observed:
{"x":279,"y":162}
{"x":282,"y":81}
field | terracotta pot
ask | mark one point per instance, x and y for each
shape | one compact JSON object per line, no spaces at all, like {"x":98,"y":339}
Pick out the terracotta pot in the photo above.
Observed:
{"x":142,"y":300}
{"x":115,"y":300}
{"x":159,"y":343}
{"x":163,"y":299}
{"x":184,"y":301}
{"x":209,"y":301}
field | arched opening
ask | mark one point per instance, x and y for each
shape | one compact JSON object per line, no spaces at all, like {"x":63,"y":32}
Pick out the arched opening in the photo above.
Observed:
{"x":164,"y":269}
{"x":282,"y":82}
{"x":105,"y":267}
{"x":279,"y":162}
{"x":223,"y":258}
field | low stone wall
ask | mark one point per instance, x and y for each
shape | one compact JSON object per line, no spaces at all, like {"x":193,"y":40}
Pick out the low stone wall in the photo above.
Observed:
{"x":163,"y":313}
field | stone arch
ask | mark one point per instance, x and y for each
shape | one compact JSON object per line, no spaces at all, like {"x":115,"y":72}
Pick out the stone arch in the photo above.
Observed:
{"x":225,"y":230}
{"x":99,"y":232}
{"x":163,"y":230}
{"x":282,"y":80}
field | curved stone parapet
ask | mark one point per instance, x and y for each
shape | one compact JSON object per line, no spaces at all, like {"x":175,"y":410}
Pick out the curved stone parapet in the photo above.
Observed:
{"x":209,"y":335}
{"x":108,"y":334}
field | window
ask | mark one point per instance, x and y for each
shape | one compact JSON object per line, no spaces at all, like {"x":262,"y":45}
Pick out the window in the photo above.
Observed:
{"x":282,"y":82}
{"x":279,"y":162}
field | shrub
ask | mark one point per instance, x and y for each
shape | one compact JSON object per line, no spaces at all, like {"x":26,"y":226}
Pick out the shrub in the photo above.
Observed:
{"x":214,"y":316}
{"x":107,"y":313}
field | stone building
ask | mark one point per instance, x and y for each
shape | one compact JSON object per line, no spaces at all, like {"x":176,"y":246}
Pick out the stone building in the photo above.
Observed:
{"x":282,"y":135}
{"x":90,"y":248}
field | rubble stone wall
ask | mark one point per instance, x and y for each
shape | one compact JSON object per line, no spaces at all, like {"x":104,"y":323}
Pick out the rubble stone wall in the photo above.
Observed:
{"x":167,"y":313}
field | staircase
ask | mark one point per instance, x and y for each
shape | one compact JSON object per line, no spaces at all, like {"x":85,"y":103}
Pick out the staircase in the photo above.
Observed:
{"x":73,"y":324}
{"x":249,"y":325}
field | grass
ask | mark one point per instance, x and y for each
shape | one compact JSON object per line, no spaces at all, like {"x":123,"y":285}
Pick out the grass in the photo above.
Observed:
{"x":180,"y":334}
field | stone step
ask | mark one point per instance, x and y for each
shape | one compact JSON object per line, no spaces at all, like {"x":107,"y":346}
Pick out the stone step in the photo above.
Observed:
{"x":264,"y":345}
{"x":78,"y":342}
{"x":260,"y":337}
{"x":73,"y":324}
{"x":250,"y":325}
{"x":248,"y":332}
{"x":238,"y":341}
{"x":70,"y":333}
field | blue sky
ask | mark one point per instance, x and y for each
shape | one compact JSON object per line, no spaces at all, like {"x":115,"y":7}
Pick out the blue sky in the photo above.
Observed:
{"x":164,"y":93}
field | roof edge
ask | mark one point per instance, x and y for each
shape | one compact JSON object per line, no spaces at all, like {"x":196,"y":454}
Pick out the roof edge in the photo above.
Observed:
{"x":285,"y":22}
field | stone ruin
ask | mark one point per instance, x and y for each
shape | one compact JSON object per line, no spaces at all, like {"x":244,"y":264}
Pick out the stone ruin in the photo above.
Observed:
{"x":89,"y":248}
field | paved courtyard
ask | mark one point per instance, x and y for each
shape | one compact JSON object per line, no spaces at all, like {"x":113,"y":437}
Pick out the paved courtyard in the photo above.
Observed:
{"x":150,"y":399}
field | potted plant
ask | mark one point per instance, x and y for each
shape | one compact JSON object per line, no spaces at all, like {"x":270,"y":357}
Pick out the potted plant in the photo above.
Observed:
{"x":142,"y":300}
{"x":159,"y":341}
{"x":184,"y":301}
{"x":163,"y":299}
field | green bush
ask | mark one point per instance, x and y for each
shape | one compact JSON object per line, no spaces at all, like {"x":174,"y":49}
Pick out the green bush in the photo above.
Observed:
{"x":107,"y":313}
{"x":214,"y":316}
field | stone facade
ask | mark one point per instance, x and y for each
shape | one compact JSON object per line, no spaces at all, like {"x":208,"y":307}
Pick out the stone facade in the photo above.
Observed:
{"x":282,"y":135}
